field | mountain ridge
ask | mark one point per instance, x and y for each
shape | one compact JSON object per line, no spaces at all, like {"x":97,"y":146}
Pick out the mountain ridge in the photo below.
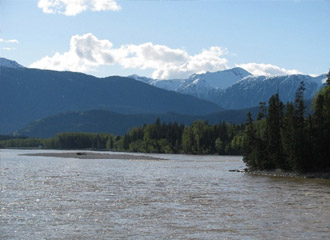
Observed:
{"x":236,"y":92}
{"x":100,"y":121}
{"x":29,"y":94}
{"x":4,"y":62}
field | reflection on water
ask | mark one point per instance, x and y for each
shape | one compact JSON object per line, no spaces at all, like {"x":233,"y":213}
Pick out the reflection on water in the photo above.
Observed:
{"x":187,"y":197}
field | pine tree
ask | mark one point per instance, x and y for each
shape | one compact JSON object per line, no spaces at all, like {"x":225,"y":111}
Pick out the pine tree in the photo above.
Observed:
{"x":318,"y":137}
{"x":287,"y":136}
{"x":249,"y":143}
{"x":328,"y":78}
{"x":299,"y":130}
{"x":274,"y":122}
{"x":322,"y":128}
{"x":262,"y":112}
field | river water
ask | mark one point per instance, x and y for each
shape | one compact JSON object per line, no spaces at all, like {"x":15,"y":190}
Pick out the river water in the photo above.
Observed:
{"x":186,"y":197}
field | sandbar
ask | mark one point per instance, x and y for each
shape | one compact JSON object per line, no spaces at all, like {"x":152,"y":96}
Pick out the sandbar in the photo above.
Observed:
{"x":94,"y":155}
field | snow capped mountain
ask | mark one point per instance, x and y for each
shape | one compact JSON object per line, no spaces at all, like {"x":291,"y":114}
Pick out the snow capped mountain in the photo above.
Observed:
{"x":254,"y":89}
{"x":218,"y":80}
{"x":199,"y":85}
{"x":204,"y":85}
{"x":236,"y":88}
{"x":232,"y":88}
{"x":9,"y":63}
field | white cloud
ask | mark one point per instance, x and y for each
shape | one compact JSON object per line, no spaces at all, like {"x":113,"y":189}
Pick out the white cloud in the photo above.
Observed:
{"x":4,"y":44}
{"x":8,"y":41}
{"x":8,"y":48}
{"x":207,"y":60}
{"x":87,"y":52}
{"x":260,"y":69}
{"x":74,"y":7}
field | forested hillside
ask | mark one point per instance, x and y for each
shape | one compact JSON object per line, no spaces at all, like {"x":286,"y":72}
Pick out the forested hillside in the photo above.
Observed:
{"x":27,"y":95}
{"x":284,"y":138}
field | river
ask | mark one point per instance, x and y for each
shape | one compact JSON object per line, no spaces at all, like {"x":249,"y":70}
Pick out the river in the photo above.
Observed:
{"x":185,"y":197}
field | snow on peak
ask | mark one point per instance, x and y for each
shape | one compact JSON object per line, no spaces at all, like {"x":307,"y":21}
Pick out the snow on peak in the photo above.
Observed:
{"x":221,"y":79}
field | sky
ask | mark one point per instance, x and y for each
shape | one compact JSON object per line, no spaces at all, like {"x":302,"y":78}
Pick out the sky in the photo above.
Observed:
{"x":167,"y":39}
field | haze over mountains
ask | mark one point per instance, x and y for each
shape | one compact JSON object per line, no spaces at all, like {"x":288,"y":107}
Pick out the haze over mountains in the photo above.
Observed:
{"x":43,"y":102}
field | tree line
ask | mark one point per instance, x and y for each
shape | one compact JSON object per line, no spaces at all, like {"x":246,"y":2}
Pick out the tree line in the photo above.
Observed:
{"x":284,"y":137}
{"x":198,"y":138}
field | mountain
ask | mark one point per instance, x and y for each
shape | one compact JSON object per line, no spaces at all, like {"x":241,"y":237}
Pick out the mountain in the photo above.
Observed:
{"x":30,"y":94}
{"x":9,"y":63}
{"x":238,"y":89}
{"x":205,"y":85}
{"x":100,"y":121}
{"x":199,"y":85}
{"x":252,"y":90}
{"x":170,"y":84}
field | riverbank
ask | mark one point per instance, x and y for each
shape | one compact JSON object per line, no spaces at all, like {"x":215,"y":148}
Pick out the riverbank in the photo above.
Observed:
{"x":94,"y":155}
{"x":282,"y":173}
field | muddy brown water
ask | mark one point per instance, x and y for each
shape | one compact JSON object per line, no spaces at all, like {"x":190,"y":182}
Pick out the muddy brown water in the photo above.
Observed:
{"x":186,"y":197}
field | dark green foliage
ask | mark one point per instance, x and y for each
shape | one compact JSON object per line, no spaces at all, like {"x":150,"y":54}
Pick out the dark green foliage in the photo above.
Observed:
{"x":290,"y":141}
{"x":198,"y":138}
{"x":273,"y":126}
{"x":321,"y":129}
{"x":262,"y":112}
{"x":68,"y":141}
{"x":22,"y":143}
{"x":299,"y":132}
{"x":288,"y":136}
{"x":249,"y":144}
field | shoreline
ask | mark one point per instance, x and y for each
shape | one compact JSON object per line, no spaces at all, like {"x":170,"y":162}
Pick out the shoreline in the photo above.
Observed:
{"x":93,"y":155}
{"x":282,"y":173}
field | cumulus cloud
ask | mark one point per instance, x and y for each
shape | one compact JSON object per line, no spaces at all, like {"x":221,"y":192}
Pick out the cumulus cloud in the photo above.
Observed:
{"x":208,"y":60}
{"x":260,"y":69}
{"x":87,"y":52}
{"x":74,"y":7}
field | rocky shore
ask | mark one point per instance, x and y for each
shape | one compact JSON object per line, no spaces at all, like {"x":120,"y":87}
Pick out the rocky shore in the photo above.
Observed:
{"x":282,"y":173}
{"x":93,"y":155}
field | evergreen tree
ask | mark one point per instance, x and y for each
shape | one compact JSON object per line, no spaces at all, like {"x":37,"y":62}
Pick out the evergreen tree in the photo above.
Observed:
{"x":262,"y":112}
{"x":299,"y":130}
{"x":249,"y":143}
{"x":287,"y":136}
{"x":328,"y":78}
{"x":321,"y":120}
{"x":275,"y":158}
{"x":188,"y":140}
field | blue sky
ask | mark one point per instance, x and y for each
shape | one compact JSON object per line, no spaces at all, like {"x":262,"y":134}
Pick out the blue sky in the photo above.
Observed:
{"x":167,"y":39}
